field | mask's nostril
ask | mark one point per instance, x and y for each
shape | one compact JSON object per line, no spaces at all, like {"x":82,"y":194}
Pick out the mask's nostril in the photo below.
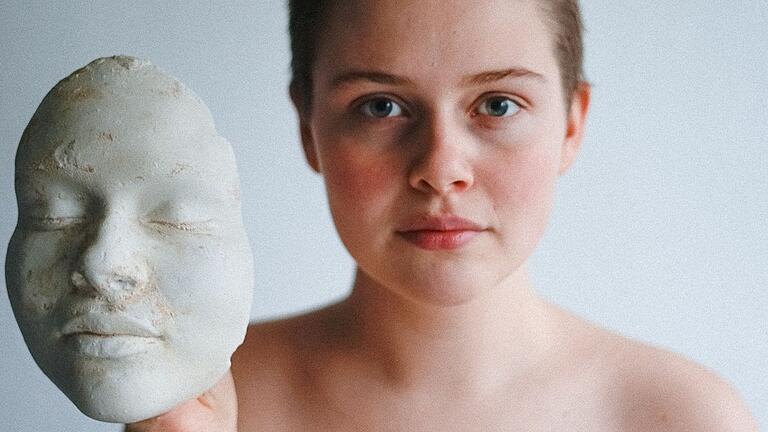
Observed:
{"x":122,"y":284}
{"x":108,"y":285}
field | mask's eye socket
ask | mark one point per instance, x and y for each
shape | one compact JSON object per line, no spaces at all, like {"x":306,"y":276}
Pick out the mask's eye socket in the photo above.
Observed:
{"x":381,"y":107}
{"x":181,"y":218}
{"x":52,"y":212}
{"x":53,"y":222}
{"x":498,"y":106}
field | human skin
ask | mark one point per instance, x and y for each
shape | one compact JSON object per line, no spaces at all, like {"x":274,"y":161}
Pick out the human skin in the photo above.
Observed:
{"x":443,"y":330}
{"x":129,"y":272}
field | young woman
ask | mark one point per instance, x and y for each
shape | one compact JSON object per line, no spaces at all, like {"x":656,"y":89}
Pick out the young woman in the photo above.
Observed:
{"x":440,"y":129}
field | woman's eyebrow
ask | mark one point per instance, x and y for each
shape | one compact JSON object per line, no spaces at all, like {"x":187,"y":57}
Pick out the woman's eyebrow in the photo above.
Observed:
{"x":353,"y":76}
{"x":377,"y":77}
{"x":497,"y":75}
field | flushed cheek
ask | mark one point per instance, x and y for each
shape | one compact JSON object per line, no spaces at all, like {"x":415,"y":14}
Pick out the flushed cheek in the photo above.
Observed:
{"x":359,"y":185}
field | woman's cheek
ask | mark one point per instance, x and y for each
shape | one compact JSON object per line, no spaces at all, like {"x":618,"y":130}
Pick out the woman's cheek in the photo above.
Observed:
{"x":358,"y":180}
{"x":523,"y":187}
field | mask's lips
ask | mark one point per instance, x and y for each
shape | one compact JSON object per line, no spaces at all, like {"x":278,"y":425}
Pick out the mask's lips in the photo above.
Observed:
{"x":101,"y":324}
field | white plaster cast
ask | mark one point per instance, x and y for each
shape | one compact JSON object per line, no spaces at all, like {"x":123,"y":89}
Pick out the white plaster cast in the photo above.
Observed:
{"x":129,"y":271}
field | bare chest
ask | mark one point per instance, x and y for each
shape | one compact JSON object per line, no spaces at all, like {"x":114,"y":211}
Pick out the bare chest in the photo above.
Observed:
{"x":369,"y":410}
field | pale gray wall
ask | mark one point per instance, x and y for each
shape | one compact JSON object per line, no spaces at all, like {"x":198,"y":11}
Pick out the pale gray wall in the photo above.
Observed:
{"x":660,"y":231}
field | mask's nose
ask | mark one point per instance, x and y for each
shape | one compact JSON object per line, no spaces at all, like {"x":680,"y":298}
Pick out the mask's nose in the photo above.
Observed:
{"x":110,"y":265}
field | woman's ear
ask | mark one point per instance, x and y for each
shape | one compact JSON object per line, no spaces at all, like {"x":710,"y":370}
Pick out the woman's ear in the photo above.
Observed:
{"x":307,"y":143}
{"x":577,"y":119}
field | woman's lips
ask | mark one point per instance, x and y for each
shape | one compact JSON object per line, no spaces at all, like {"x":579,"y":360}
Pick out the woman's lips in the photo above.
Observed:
{"x":440,"y":232}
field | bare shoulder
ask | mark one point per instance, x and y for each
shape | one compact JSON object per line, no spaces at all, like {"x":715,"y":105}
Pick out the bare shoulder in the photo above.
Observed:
{"x":662,"y":391}
{"x":259,"y":368}
{"x":269,"y":370}
{"x":640,"y":387}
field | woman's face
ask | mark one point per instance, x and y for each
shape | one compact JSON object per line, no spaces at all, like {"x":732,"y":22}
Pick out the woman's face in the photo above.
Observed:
{"x":440,"y":130}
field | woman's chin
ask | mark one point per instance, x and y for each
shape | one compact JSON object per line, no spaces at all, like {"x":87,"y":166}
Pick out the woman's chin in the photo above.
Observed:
{"x":446,"y":290}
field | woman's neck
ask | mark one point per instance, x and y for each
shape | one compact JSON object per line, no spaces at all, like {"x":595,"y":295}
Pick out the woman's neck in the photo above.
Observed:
{"x":486,"y":342}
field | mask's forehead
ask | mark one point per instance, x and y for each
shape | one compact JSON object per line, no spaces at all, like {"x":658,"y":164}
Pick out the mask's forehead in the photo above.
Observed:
{"x":112,"y":122}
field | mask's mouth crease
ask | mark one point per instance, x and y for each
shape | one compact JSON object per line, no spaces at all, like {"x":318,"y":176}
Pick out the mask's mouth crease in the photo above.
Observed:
{"x":108,"y":335}
{"x":105,"y":325}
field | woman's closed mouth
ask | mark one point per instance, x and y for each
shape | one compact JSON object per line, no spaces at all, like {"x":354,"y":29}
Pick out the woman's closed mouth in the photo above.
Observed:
{"x":440,"y":232}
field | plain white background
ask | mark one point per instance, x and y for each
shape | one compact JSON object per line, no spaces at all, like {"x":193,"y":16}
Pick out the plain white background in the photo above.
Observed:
{"x":660,"y":230}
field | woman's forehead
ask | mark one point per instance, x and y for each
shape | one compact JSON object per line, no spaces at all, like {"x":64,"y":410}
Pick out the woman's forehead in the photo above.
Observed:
{"x":436,"y":36}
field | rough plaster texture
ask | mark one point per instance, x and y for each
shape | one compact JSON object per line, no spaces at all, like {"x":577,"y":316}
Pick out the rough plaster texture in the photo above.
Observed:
{"x":129,"y":271}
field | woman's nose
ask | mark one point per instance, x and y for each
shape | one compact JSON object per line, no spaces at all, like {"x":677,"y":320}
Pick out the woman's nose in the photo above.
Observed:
{"x":110,"y":265}
{"x":442,"y":164}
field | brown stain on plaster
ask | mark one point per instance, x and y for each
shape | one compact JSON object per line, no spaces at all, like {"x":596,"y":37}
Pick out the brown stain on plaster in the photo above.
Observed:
{"x":47,"y":165}
{"x":40,"y":194}
{"x":174,"y":90}
{"x":179,"y":168}
{"x":116,"y":307}
{"x":106,"y":136}
{"x":64,"y":157}
{"x":71,"y":77}
{"x":47,"y":286}
{"x":83,"y":93}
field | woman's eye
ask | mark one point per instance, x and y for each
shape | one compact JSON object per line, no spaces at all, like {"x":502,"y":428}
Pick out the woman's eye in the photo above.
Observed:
{"x":498,"y":106}
{"x":381,"y":108}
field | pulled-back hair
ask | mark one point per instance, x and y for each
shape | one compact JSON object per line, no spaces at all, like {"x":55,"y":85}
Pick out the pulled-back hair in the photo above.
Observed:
{"x":307,"y":17}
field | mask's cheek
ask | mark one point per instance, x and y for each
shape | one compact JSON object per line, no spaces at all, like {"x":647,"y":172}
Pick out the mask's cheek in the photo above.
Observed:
{"x":206,"y":291}
{"x":38,"y":268}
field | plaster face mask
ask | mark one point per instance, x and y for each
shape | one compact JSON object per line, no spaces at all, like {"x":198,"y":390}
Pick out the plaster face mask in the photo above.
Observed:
{"x":129,"y":271}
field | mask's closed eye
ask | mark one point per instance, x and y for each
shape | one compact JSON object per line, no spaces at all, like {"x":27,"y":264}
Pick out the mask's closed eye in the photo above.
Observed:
{"x":56,"y":213}
{"x":52,"y":222}
{"x":180,"y":218}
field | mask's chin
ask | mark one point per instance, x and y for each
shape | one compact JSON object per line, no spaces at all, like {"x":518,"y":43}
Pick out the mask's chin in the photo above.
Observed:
{"x":134,"y":388}
{"x":124,"y":395}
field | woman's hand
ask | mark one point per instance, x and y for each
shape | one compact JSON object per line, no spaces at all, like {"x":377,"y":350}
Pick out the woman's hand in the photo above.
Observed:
{"x":214,"y":411}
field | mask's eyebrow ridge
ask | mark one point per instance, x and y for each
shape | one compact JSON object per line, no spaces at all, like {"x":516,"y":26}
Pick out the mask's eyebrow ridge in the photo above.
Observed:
{"x":497,"y":75}
{"x":372,"y":76}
